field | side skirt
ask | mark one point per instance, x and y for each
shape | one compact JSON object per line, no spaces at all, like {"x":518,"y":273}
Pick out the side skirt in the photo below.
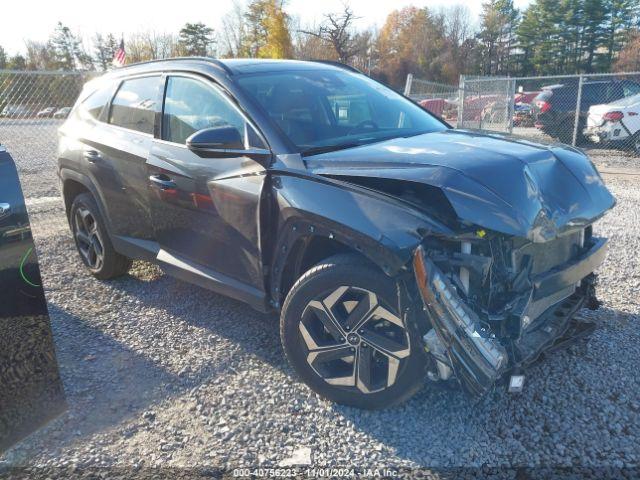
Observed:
{"x":184,"y":269}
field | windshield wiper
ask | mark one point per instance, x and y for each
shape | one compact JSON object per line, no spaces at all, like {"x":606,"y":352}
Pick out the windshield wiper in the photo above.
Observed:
{"x":329,"y":148}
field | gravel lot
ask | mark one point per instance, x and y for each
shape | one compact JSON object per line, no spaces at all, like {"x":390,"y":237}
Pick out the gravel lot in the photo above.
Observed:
{"x":163,"y":373}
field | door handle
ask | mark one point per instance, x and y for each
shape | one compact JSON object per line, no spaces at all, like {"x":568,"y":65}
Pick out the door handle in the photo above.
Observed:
{"x":92,"y":156}
{"x":163,"y":181}
{"x":5,"y":209}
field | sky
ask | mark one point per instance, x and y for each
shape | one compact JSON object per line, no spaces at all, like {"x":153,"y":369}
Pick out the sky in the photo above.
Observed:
{"x":36,"y":19}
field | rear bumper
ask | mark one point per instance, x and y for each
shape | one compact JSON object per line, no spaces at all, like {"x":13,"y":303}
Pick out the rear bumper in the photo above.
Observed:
{"x":478,"y":358}
{"x":614,"y":134}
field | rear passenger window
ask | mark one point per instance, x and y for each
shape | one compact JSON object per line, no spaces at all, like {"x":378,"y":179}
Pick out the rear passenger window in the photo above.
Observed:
{"x":134,"y":105}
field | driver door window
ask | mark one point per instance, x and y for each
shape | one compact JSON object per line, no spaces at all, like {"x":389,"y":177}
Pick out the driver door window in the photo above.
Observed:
{"x":191,"y":105}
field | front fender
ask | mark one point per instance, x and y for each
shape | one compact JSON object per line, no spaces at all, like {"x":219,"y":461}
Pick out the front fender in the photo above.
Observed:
{"x":384,"y":230}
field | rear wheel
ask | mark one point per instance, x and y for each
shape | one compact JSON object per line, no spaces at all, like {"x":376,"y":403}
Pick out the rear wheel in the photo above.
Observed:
{"x":92,"y":240}
{"x":342,"y":333}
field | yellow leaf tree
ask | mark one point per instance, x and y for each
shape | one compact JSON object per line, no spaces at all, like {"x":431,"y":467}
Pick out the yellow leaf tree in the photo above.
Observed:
{"x":268,"y":33}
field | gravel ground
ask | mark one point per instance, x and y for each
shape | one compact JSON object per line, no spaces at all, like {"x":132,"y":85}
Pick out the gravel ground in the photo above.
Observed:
{"x":162,"y":373}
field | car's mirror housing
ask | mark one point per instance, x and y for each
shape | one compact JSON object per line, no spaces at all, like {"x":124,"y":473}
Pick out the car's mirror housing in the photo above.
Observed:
{"x":216,"y":138}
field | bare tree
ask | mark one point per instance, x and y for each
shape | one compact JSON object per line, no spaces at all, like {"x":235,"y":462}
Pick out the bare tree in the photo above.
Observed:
{"x":337,"y":31}
{"x":151,"y":45}
{"x":232,"y":35}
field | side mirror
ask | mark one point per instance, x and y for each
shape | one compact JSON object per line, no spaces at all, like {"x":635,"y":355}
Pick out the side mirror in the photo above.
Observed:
{"x":216,"y":138}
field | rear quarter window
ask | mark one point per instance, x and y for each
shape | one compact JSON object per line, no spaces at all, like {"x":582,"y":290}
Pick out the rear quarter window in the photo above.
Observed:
{"x":134,"y":105}
{"x":94,"y":105}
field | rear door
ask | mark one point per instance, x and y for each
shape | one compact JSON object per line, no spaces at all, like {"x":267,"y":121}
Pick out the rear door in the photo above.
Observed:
{"x":206,"y":207}
{"x":117,"y":151}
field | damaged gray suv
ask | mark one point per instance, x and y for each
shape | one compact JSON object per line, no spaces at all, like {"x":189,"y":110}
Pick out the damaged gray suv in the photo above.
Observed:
{"x":396,"y":249}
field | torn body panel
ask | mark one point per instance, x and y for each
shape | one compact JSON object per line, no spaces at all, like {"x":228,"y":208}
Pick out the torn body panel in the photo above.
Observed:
{"x":382,"y":229}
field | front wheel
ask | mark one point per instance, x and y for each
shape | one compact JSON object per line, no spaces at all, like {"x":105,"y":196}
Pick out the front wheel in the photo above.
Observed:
{"x":343,"y":334}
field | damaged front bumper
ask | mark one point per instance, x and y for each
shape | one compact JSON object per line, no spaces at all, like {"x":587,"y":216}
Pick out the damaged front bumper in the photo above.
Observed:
{"x":477,"y":356}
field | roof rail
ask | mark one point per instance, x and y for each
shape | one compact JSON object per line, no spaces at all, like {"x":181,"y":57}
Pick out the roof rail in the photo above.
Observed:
{"x":339,"y":65}
{"x":212,"y":60}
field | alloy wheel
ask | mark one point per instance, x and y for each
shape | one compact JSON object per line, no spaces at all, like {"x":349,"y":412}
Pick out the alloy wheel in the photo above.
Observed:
{"x":88,"y":238}
{"x":352,"y":340}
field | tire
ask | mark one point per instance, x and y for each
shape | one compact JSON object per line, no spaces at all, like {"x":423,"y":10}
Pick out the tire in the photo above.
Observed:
{"x":92,"y":240}
{"x":377,"y":364}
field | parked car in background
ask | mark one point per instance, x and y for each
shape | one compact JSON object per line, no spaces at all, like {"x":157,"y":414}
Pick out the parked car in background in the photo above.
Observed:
{"x":46,"y":113}
{"x":62,"y":113}
{"x":616,"y":124}
{"x":16,"y":111}
{"x":433,"y":105}
{"x":391,"y":244}
{"x":555,"y":106}
{"x":523,"y":115}
{"x":525,"y":97}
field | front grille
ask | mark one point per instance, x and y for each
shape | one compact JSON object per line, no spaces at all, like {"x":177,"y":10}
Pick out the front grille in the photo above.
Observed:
{"x":548,"y":255}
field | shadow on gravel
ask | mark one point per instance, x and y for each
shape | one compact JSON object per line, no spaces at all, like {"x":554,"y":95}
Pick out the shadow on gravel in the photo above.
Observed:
{"x":104,"y":380}
{"x":441,"y":426}
{"x":107,"y":382}
{"x":558,"y":410}
{"x":255,"y":332}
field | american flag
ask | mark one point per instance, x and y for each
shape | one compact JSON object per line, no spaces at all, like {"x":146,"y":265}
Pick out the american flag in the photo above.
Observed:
{"x":120,"y":55}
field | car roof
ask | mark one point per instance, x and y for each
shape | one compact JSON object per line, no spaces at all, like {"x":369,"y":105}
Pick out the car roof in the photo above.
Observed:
{"x":229,"y":66}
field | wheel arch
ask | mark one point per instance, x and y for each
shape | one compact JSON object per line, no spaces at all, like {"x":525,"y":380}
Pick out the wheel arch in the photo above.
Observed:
{"x":75,"y":183}
{"x":305,"y":252}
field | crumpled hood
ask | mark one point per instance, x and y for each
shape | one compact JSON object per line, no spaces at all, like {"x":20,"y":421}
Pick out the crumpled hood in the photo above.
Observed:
{"x":498,"y":182}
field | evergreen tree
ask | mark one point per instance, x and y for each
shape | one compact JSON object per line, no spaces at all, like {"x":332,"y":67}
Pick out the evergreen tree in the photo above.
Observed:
{"x":66,"y":47}
{"x":623,"y":18}
{"x":499,"y":22}
{"x":595,"y":13}
{"x":17,"y":62}
{"x":104,"y":49}
{"x":195,"y":39}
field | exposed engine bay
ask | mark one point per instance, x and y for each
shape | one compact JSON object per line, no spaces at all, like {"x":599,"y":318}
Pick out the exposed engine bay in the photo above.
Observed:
{"x":496,"y":304}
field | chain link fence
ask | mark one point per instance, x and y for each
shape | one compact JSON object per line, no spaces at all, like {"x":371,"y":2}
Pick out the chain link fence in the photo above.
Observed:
{"x":598,"y":112}
{"x":33,"y":104}
{"x":440,"y":99}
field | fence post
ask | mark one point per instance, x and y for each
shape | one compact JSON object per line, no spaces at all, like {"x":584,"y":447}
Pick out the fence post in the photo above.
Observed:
{"x":407,"y":85}
{"x":461,"y":94}
{"x":511,"y":107}
{"x":576,"y":122}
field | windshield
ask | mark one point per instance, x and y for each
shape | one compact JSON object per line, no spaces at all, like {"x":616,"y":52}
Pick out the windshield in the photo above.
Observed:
{"x":328,"y":110}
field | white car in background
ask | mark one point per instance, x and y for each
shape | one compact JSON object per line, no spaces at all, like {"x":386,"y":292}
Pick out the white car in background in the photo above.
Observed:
{"x":616,"y":124}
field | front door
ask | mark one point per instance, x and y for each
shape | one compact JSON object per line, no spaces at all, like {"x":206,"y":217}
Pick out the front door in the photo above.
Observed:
{"x":205,"y":207}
